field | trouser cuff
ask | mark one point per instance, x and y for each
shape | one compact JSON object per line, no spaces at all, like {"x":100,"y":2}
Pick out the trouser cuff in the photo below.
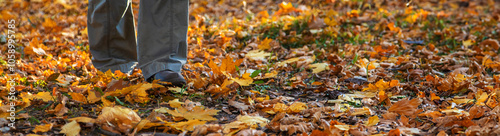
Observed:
{"x":126,"y":68}
{"x":154,"y":67}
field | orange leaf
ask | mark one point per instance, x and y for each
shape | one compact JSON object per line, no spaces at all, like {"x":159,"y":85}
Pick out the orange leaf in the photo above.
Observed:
{"x":43,"y":128}
{"x":78,"y":97}
{"x":394,"y":132}
{"x":297,"y":107}
{"x":264,"y":44}
{"x":434,"y":97}
{"x":49,"y":23}
{"x":318,"y":133}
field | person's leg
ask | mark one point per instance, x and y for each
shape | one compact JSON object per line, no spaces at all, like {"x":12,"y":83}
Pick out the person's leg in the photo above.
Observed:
{"x":162,"y":35}
{"x":112,"y":35}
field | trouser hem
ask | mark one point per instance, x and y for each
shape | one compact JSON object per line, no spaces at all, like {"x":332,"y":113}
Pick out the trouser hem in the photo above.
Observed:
{"x":126,"y":68}
{"x":154,"y":67}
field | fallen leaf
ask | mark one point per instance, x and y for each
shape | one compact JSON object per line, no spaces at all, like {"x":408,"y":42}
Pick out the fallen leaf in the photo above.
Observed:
{"x":71,"y":129}
{"x":243,"y":122}
{"x":188,"y":125}
{"x":296,"y":107}
{"x":239,"y":105}
{"x":372,"y":121}
{"x":82,"y":119}
{"x":318,"y":67}
{"x":43,"y":128}
{"x":118,"y":119}
{"x":175,"y":103}
{"x":198,"y":112}
{"x":78,"y":97}
{"x":245,"y":80}
{"x":405,"y":106}
{"x":257,"y":55}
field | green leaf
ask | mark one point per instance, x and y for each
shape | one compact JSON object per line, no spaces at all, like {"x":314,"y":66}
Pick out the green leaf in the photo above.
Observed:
{"x":118,"y":101}
{"x":258,"y":82}
{"x":255,"y":73}
{"x":99,"y":90}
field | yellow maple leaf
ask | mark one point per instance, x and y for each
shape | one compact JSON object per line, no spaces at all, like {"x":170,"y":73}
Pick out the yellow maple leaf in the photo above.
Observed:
{"x":264,"y":44}
{"x":467,"y":43}
{"x":71,"y":129}
{"x":45,"y":96}
{"x":188,"y":125}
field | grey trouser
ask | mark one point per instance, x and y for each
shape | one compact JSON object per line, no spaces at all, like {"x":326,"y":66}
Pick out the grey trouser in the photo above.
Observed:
{"x":162,"y":35}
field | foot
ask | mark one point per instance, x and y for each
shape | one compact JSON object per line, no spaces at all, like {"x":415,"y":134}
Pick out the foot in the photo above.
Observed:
{"x":169,"y":76}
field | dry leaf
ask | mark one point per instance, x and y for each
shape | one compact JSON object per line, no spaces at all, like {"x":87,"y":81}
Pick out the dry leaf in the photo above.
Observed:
{"x":405,"y":106}
{"x":239,"y":105}
{"x":245,"y":80}
{"x":243,"y":122}
{"x":71,"y":129}
{"x":296,"y":107}
{"x":175,"y":103}
{"x":78,"y":97}
{"x":318,"y":67}
{"x":118,"y":119}
{"x":372,"y":121}
{"x":198,"y":112}
{"x":82,"y":119}
{"x":257,"y":55}
{"x":43,"y":128}
{"x":188,"y":125}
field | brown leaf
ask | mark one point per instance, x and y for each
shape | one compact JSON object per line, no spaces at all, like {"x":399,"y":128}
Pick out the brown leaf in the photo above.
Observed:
{"x":405,"y":106}
{"x":239,"y":105}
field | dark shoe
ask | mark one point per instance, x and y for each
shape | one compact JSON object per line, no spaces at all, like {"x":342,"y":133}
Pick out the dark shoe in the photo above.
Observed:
{"x":168,"y":76}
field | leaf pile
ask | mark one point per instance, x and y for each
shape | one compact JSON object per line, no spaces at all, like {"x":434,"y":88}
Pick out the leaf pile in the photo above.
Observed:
{"x":264,"y":67}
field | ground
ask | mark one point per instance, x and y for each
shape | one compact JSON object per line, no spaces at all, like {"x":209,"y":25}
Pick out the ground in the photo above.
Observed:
{"x":264,"y":67}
